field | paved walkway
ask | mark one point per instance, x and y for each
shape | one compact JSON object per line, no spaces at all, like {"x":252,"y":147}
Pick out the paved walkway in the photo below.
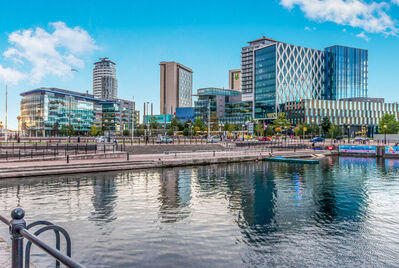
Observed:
{"x":150,"y":157}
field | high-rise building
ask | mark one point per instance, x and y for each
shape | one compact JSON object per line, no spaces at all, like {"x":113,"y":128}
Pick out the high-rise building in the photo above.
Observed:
{"x":105,"y":84}
{"x":176,"y":87}
{"x":247,"y":61}
{"x":346,"y":71}
{"x":275,"y":72}
{"x":235,"y":79}
{"x":283,"y":73}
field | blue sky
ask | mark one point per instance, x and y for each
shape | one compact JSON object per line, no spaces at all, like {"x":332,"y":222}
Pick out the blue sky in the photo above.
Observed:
{"x":206,"y":36}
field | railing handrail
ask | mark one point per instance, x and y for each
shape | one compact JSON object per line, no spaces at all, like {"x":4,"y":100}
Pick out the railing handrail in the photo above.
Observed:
{"x":18,"y":232}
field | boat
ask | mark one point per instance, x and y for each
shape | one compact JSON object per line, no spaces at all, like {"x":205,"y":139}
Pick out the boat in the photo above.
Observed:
{"x":291,"y":160}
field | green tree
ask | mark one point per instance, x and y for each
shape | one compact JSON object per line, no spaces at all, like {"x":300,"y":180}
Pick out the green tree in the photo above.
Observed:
{"x":94,"y":130}
{"x":56,"y":129}
{"x":126,"y":132}
{"x":325,"y":124}
{"x":67,"y":130}
{"x":268,"y":131}
{"x":154,"y":124}
{"x":335,"y":131}
{"x":259,"y":128}
{"x":388,"y":124}
{"x":214,"y":122}
{"x":199,"y":123}
{"x":175,"y":125}
{"x":281,"y":123}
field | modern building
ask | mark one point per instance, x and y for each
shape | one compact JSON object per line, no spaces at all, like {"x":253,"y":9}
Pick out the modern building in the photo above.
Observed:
{"x":275,"y":72}
{"x":118,"y":115}
{"x":352,"y":113}
{"x":247,"y":62}
{"x":105,"y":84}
{"x":346,"y":73}
{"x":185,"y":114}
{"x":222,"y":105}
{"x":235,"y":79}
{"x":176,"y":86}
{"x":159,"y":118}
{"x":45,"y":110}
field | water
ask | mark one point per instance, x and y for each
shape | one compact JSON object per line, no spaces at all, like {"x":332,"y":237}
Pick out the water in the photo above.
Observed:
{"x":342,"y":212}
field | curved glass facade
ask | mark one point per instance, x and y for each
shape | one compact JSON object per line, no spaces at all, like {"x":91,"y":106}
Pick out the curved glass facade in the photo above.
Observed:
{"x":346,"y":72}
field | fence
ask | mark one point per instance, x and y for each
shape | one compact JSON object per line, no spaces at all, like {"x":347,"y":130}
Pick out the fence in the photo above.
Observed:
{"x":20,"y":231}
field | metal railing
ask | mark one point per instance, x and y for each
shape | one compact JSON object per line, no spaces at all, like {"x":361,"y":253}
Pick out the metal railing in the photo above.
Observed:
{"x":20,"y":231}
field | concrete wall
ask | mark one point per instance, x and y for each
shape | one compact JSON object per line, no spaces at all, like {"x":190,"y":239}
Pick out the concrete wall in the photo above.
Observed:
{"x":162,"y":148}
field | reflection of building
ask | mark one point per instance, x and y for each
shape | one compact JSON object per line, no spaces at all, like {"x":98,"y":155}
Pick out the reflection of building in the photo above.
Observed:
{"x":158,"y":118}
{"x":105,"y":84}
{"x":104,"y":200}
{"x":175,"y":194}
{"x":176,"y":86}
{"x":235,"y":79}
{"x":45,"y":110}
{"x":225,"y":104}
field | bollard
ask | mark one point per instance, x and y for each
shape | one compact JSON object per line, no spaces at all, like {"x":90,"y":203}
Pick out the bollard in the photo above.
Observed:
{"x":68,"y":159}
{"x":17,"y":247}
{"x":213,"y":153}
{"x":127,"y":156}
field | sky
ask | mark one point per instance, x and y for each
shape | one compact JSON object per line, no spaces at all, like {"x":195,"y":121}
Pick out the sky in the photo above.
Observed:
{"x":41,"y":41}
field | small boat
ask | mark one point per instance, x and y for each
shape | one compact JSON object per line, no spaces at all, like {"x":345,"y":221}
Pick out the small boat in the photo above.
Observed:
{"x":291,"y":160}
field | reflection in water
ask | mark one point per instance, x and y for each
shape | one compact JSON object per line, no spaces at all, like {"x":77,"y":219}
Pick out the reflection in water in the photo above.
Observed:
{"x":104,"y":199}
{"x":342,"y":212}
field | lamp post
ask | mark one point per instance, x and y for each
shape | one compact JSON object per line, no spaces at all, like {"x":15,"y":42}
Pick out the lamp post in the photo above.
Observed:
{"x":109,"y":132}
{"x":349,"y":135}
{"x":385,"y":134}
{"x":243,"y":138}
{"x":105,"y":125}
{"x":19,"y":119}
{"x":79,"y":129}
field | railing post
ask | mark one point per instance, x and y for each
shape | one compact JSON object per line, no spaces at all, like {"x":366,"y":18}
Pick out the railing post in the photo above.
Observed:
{"x":17,"y":247}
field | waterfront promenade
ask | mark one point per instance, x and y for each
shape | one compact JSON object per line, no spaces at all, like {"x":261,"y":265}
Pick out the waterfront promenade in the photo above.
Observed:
{"x":144,"y":161}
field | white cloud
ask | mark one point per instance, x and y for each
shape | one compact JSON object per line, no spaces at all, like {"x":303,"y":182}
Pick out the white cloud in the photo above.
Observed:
{"x":48,"y":53}
{"x":9,"y":75}
{"x":395,"y":2}
{"x":344,"y":30}
{"x":362,"y":35}
{"x":371,"y":17}
{"x":310,"y":29}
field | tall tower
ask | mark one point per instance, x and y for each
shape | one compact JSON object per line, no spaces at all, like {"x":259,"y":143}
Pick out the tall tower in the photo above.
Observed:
{"x":105,"y":84}
{"x":176,"y":86}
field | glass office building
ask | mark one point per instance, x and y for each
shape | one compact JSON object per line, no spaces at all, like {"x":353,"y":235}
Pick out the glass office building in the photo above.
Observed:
{"x":43,"y":109}
{"x":285,"y":72}
{"x":346,"y":72}
{"x":225,"y":104}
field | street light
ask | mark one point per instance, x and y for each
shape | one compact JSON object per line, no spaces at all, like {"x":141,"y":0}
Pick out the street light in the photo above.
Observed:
{"x":385,"y":134}
{"x":348,"y":132}
{"x":19,"y":119}
{"x":79,"y":129}
{"x":243,"y":138}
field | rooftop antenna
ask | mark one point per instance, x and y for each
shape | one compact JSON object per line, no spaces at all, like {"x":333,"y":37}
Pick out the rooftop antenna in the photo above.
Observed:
{"x":103,"y":59}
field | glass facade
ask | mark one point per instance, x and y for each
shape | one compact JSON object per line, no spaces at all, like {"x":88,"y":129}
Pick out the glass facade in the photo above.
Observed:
{"x":226,"y":104}
{"x":265,"y":83}
{"x":346,"y":72}
{"x":185,"y":88}
{"x":42,"y":110}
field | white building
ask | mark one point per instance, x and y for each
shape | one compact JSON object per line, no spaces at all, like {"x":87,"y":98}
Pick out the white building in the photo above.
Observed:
{"x":105,"y":84}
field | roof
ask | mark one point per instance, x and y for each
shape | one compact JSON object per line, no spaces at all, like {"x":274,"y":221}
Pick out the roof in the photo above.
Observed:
{"x":261,"y":39}
{"x":60,"y":91}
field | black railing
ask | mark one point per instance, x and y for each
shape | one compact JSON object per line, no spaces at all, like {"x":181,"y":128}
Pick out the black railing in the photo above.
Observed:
{"x":19,"y":231}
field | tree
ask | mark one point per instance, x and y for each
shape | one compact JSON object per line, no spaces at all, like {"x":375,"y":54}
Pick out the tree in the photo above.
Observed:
{"x":268,"y":131}
{"x":67,"y":130}
{"x":175,"y":125}
{"x":214,"y":122}
{"x":325,"y":124}
{"x":126,"y":132}
{"x":335,"y":131}
{"x":199,"y":123}
{"x":94,"y":130}
{"x":154,"y":124}
{"x":259,"y":128}
{"x":388,"y":124}
{"x":281,"y":123}
{"x":56,"y":127}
